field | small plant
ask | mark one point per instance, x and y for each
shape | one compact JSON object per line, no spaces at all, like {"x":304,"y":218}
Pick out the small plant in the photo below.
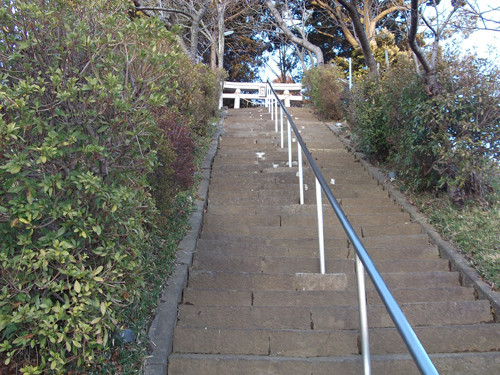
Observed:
{"x":325,"y":90}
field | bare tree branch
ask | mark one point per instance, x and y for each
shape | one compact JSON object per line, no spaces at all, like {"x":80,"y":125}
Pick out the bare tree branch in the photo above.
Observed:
{"x":292,"y":37}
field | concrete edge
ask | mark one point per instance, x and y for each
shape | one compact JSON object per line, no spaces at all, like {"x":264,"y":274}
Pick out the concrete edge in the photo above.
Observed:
{"x":162,"y":328}
{"x":468,"y":275}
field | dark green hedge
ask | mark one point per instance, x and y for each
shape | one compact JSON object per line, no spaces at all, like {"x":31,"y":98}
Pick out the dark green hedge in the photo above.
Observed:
{"x":82,"y":87}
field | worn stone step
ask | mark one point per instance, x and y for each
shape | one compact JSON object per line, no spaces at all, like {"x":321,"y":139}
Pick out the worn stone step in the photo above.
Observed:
{"x":266,"y":342}
{"x":365,"y":219}
{"x":324,"y":343}
{"x":305,"y":209}
{"x":443,"y":339}
{"x":269,"y":264}
{"x":235,"y":173}
{"x":446,"y":364}
{"x":261,"y":281}
{"x":254,"y":183}
{"x":248,"y":220}
{"x":334,"y":249}
{"x":227,"y":297}
{"x":255,"y":201}
{"x":276,"y":190}
{"x":388,"y":242}
{"x":304,"y":220}
{"x":296,"y":232}
{"x":331,"y":318}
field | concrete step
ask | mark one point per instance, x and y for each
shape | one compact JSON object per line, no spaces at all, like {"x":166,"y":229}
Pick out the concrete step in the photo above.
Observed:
{"x":227,"y":297}
{"x":446,"y":364}
{"x":333,"y":250}
{"x":297,"y":232}
{"x":331,"y":318}
{"x":268,"y":264}
{"x":254,"y":183}
{"x":325,"y":343}
{"x":297,"y":209}
{"x":388,"y":242}
{"x":254,"y":281}
{"x":389,"y":218}
{"x":304,"y":220}
{"x":292,"y":192}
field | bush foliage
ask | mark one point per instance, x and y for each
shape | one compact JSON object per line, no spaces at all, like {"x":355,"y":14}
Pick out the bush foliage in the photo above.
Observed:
{"x":449,"y":140}
{"x":84,"y":97}
{"x":325,"y":90}
{"x":445,"y":141}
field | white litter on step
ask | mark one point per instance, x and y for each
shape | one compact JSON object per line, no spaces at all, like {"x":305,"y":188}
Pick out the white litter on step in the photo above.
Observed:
{"x":332,"y":181}
{"x":260,"y":154}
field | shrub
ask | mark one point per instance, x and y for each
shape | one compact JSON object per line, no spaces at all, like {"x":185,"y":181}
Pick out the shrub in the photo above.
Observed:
{"x":175,"y":170}
{"x":325,"y":90}
{"x":368,"y":118}
{"x":197,"y":94}
{"x":466,"y":123}
{"x":446,"y":141}
{"x":79,"y":85}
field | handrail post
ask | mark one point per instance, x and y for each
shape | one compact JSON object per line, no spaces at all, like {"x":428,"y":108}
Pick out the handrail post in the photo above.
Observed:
{"x":281,"y":128}
{"x":363,"y":316}
{"x":301,"y":173}
{"x":289,"y":133}
{"x":321,"y":238}
{"x":268,"y":97}
{"x":276,"y":116}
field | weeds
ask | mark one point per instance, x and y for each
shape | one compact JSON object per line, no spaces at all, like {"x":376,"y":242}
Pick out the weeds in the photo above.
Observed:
{"x":473,"y":229}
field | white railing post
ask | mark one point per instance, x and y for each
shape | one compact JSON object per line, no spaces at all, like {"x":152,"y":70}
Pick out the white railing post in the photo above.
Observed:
{"x":281,"y":126}
{"x":268,"y":99}
{"x":237,"y":99}
{"x":276,"y":117}
{"x":321,"y":238}
{"x":289,"y":144}
{"x":301,"y":173}
{"x":363,"y":316}
{"x":287,"y":98}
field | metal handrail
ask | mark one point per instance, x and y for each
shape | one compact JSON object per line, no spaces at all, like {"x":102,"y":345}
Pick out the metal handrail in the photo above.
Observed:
{"x":363,"y":262}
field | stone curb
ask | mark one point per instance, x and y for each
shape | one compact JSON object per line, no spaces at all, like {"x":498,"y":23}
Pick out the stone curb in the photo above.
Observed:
{"x":162,"y":329}
{"x":458,"y":262}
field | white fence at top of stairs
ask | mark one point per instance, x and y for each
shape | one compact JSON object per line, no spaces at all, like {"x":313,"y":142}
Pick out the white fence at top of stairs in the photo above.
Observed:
{"x":258,"y":91}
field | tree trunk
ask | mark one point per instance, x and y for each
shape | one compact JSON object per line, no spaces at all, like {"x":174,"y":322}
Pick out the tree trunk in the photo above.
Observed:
{"x":429,"y":69}
{"x":351,"y":8}
{"x":195,"y":29}
{"x":221,"y":10}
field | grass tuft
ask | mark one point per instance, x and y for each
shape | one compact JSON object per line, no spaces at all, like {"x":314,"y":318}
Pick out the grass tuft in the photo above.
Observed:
{"x":473,"y":228}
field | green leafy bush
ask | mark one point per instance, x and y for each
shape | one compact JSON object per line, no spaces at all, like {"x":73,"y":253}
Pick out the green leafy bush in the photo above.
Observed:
{"x":80,"y":86}
{"x":447,"y":141}
{"x":325,"y":90}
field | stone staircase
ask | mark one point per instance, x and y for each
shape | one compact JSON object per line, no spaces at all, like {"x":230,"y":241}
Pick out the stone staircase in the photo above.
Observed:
{"x":251,"y":305}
